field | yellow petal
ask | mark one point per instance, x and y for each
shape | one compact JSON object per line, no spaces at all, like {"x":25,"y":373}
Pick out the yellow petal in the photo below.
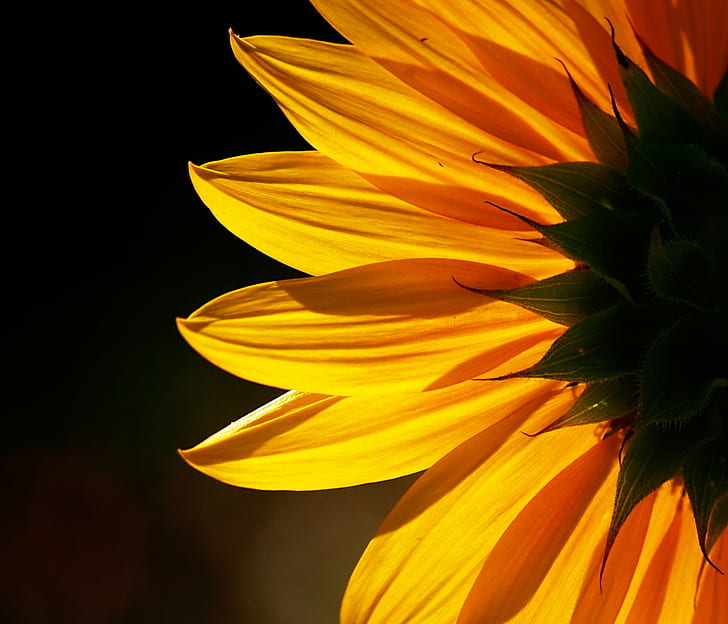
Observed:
{"x":603,"y":595}
{"x":520,"y":44}
{"x":399,"y":326}
{"x":679,"y":603}
{"x":362,"y":117}
{"x":423,"y":560}
{"x":689,"y":36}
{"x":549,"y":545}
{"x":420,"y":49}
{"x":308,"y":441}
{"x":306,"y":211}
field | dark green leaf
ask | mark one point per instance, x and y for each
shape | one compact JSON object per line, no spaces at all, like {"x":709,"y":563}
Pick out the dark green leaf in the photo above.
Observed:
{"x":679,"y":88}
{"x":659,"y":118}
{"x":564,"y":299}
{"x":600,"y":401}
{"x":720,"y":96}
{"x":680,"y":271}
{"x":653,"y":457}
{"x":706,"y":481}
{"x":607,"y":345}
{"x":577,"y":189}
{"x":682,"y":368}
{"x":613,"y":244}
{"x":689,"y":186}
{"x":602,"y":131}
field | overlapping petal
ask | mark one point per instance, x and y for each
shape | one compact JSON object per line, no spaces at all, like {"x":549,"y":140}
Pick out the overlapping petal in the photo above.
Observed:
{"x":522,"y":44}
{"x":399,"y":326}
{"x":712,"y":599}
{"x":456,"y":513}
{"x":549,"y":544}
{"x":688,"y":35}
{"x":309,"y":442}
{"x":361,"y":116}
{"x":306,"y":211}
{"x":445,"y":64}
{"x":386,"y":347}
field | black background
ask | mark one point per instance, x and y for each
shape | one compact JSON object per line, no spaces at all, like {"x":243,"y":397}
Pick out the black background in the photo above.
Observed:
{"x":105,"y":243}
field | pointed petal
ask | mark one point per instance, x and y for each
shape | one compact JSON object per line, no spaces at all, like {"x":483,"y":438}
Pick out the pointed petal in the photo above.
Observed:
{"x":523,"y":43}
{"x":603,"y":594}
{"x":425,"y":557}
{"x":309,"y":442}
{"x":416,"y":46}
{"x":529,"y":561}
{"x":712,"y":603}
{"x":688,"y":36}
{"x":361,"y":116}
{"x":306,"y":211}
{"x":645,"y":605}
{"x":399,"y":326}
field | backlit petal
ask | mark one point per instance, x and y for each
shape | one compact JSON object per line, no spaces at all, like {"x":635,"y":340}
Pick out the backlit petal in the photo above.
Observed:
{"x":602,"y":597}
{"x":420,"y":49}
{"x":399,"y":326}
{"x":712,"y":601}
{"x":645,"y":603}
{"x":689,"y":35}
{"x":308,"y":442}
{"x":306,"y":211}
{"x":549,"y":547}
{"x":355,"y":112}
{"x":522,"y":44}
{"x":439,"y":534}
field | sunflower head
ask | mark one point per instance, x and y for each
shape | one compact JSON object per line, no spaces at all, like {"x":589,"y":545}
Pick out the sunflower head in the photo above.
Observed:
{"x":647,"y":306}
{"x":516,"y":221}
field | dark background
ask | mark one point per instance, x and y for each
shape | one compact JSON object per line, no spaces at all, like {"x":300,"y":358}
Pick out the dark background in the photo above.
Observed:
{"x":105,"y":243}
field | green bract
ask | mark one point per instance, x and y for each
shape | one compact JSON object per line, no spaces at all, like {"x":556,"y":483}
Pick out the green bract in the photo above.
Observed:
{"x":646,"y":310}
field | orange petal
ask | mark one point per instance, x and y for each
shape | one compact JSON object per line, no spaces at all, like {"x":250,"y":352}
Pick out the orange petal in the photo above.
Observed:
{"x":362,"y":117}
{"x":712,"y":602}
{"x":306,"y":211}
{"x":603,"y":595}
{"x":517,"y":566}
{"x":690,"y":36}
{"x":650,"y":586}
{"x":425,"y":557}
{"x":399,"y":326}
{"x":308,"y":442}
{"x":520,"y":44}
{"x":421,"y":50}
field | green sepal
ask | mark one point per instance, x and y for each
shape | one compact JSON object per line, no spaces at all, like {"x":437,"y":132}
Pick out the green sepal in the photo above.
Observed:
{"x":591,"y":240}
{"x":659,"y":118}
{"x":680,"y":271}
{"x":683,"y":91}
{"x":682,"y":368}
{"x":606,"y":345}
{"x":602,"y":131}
{"x":720,"y":96}
{"x":705,"y":473}
{"x":577,"y":189}
{"x":653,"y":457}
{"x":600,"y":401}
{"x":687,"y":185}
{"x":565,"y":299}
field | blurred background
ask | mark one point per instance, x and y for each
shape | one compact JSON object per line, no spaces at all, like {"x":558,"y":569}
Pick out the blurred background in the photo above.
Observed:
{"x":105,"y":243}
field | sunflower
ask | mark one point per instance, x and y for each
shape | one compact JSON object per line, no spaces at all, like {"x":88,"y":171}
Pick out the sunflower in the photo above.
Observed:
{"x":515,"y":222}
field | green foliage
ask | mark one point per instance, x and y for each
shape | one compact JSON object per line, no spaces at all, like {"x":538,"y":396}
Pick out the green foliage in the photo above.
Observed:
{"x":565,"y":299}
{"x":604,"y":346}
{"x":682,"y":369}
{"x":601,"y":401}
{"x":647,"y":311}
